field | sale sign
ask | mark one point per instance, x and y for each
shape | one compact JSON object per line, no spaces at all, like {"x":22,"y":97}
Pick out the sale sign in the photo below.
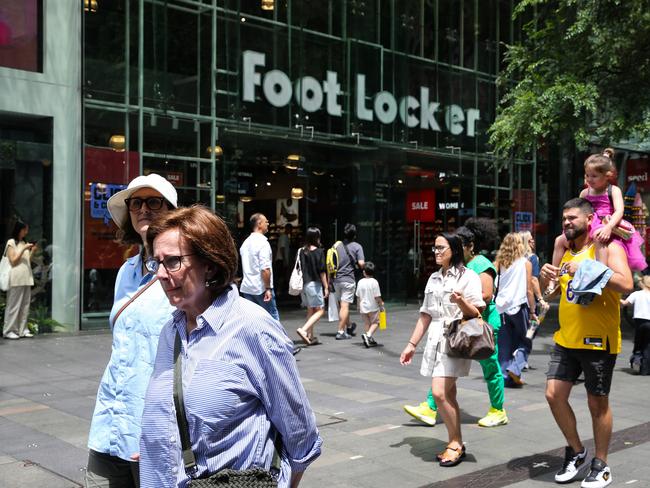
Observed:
{"x":421,"y":205}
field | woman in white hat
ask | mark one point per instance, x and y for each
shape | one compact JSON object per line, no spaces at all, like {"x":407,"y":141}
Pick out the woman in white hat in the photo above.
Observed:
{"x":140,"y":309}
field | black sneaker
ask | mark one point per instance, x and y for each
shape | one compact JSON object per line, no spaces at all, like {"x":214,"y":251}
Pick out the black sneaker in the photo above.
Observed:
{"x":341,"y":336}
{"x":599,"y":476}
{"x":573,"y":463}
{"x":350,"y":330}
{"x":372,"y":342}
{"x":365,"y":339}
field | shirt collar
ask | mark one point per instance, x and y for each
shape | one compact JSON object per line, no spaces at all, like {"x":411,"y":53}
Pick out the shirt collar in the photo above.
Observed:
{"x":215,"y":315}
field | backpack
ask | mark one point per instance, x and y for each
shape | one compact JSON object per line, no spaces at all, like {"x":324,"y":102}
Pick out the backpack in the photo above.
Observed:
{"x":332,"y":260}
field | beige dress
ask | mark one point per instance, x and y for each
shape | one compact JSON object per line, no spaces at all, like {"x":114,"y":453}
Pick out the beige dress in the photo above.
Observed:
{"x":435,"y":361}
{"x":21,"y":274}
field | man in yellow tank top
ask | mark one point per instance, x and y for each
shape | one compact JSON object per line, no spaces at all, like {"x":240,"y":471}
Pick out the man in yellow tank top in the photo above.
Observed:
{"x":588,"y":340}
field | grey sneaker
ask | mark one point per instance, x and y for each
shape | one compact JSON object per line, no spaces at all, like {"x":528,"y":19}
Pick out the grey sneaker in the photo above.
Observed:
{"x":573,"y":464}
{"x":365,"y":340}
{"x":600,"y":475}
{"x":341,"y":336}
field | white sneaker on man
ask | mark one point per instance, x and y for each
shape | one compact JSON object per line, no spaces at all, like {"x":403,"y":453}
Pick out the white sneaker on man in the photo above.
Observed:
{"x":599,"y":476}
{"x":12,"y":335}
{"x":573,"y":464}
{"x":27,"y":334}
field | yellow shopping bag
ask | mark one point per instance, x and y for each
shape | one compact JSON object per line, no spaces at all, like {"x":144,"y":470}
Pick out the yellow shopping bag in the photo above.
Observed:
{"x":382,"y":319}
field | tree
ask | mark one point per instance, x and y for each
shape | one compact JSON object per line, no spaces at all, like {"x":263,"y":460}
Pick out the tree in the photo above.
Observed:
{"x":581,"y":73}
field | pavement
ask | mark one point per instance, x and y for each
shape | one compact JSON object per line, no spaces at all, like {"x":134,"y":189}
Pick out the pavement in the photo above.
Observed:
{"x":48,"y":386}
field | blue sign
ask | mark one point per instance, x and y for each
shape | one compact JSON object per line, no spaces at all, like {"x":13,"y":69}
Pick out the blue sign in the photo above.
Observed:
{"x":523,"y":221}
{"x":99,"y":195}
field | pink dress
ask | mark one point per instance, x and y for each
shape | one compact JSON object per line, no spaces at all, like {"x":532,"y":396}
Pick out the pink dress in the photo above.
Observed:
{"x":632,"y":246}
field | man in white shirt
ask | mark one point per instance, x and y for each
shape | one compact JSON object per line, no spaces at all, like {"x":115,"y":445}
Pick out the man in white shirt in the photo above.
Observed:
{"x":256,"y":259}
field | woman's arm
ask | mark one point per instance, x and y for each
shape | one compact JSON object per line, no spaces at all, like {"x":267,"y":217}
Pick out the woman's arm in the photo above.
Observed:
{"x":420,"y":329}
{"x":487,"y":286}
{"x":323,"y":280}
{"x":529,"y":287}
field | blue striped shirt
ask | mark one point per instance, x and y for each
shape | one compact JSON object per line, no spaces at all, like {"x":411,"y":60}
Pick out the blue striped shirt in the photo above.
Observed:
{"x":115,"y":426}
{"x":241,"y":384}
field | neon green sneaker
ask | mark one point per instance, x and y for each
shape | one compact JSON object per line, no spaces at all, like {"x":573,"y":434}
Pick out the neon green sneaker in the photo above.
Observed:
{"x":422,"y":412}
{"x":494,"y":418}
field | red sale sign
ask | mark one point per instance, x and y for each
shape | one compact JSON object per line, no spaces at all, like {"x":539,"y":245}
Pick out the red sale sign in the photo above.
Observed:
{"x":421,"y":205}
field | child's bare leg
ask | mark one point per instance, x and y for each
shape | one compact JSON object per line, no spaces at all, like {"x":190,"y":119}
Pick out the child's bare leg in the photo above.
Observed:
{"x":372,"y":329}
{"x":601,"y":252}
{"x":366,"y":322}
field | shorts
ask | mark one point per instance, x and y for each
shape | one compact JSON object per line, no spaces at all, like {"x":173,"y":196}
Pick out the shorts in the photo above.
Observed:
{"x":312,"y":294}
{"x":567,"y":364}
{"x":344,"y":291}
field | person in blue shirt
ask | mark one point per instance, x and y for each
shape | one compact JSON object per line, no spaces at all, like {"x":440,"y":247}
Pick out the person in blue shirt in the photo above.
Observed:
{"x":140,"y":309}
{"x":241,"y":387}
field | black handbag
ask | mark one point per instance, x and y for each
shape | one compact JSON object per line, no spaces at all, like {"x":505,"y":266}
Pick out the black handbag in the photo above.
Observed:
{"x":226,"y":478}
{"x":470,"y":339}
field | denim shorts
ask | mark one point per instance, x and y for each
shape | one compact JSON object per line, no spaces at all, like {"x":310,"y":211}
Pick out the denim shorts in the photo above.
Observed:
{"x":598,"y":366}
{"x":312,"y":294}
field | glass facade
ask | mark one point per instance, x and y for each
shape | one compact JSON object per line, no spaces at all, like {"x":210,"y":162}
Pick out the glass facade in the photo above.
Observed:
{"x":373,"y":112}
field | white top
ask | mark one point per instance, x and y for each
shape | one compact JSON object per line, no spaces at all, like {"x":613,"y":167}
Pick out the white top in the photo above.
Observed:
{"x":437,"y":304}
{"x":641,"y":301}
{"x":256,"y":255}
{"x":367,"y":291}
{"x":512,"y":285}
{"x":21,"y":274}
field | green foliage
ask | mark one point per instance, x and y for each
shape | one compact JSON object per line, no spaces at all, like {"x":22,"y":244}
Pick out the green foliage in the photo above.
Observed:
{"x":581,"y":72}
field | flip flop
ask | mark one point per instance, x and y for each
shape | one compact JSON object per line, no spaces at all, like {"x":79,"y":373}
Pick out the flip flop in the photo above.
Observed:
{"x":303,"y":336}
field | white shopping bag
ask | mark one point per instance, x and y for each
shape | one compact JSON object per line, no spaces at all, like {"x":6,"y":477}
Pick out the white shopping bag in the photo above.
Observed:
{"x":332,"y":309}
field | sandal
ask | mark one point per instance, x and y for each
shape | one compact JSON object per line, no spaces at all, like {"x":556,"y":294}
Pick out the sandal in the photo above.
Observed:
{"x":448,"y":463}
{"x":440,"y":455}
{"x":303,"y":336}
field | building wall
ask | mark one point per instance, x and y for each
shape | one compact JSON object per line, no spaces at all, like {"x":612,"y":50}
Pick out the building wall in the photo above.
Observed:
{"x":56,"y":93}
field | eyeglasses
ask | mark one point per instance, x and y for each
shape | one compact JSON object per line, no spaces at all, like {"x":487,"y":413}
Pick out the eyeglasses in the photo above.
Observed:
{"x":439,"y":249}
{"x":135,"y":204}
{"x":171,"y":263}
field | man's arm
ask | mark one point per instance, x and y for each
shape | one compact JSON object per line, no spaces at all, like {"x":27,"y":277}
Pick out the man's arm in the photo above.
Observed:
{"x":621,"y":281}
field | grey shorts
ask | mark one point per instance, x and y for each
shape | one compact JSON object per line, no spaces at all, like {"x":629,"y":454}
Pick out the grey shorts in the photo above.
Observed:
{"x":344,"y":291}
{"x":567,"y":364}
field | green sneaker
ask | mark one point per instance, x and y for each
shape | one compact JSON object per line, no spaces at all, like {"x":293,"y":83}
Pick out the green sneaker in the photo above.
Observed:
{"x":494,"y":418}
{"x":422,"y":412}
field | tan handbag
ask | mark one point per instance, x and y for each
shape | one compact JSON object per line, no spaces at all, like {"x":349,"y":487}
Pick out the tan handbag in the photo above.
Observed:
{"x":470,"y":339}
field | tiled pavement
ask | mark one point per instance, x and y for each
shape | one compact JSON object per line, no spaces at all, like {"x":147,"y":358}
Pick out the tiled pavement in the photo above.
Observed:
{"x":48,"y":386}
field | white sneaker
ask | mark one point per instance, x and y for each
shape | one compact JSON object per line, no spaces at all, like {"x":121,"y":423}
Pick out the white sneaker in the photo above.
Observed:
{"x":11,"y":335}
{"x":27,"y":334}
{"x":573,"y":464}
{"x":599,"y":476}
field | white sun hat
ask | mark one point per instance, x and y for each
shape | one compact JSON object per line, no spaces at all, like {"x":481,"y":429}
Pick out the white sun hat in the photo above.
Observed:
{"x":117,"y":205}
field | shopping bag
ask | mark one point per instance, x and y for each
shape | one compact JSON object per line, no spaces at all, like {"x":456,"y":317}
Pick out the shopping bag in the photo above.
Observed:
{"x":296,"y":281}
{"x":332,"y":309}
{"x":5,"y":271}
{"x":382,"y":319}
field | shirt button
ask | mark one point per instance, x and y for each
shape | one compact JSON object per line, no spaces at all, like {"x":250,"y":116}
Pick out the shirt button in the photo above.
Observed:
{"x":172,"y":439}
{"x":174,"y":470}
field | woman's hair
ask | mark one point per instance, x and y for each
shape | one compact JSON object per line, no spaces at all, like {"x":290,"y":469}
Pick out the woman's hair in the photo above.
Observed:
{"x":456,"y":246}
{"x":481,"y":232}
{"x":127,"y":235}
{"x":207,"y":235}
{"x":511,"y":249}
{"x":526,"y":236}
{"x":603,"y":163}
{"x":18,"y":226}
{"x":312,"y":237}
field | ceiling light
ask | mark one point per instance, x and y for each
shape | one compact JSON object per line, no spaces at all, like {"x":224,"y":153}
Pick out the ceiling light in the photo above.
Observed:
{"x":297,"y":193}
{"x":90,"y":6}
{"x":218,"y":150}
{"x":117,"y":142}
{"x":245,"y":199}
{"x":268,"y":4}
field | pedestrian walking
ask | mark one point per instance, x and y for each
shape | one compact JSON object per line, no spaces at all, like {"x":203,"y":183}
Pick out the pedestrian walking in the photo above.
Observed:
{"x":640,"y":300}
{"x":370,"y":303}
{"x":515,"y":303}
{"x":588,"y":341}
{"x":19,"y":294}
{"x":256,"y":262}
{"x":477,"y":234}
{"x":239,"y":396}
{"x":140,"y":309}
{"x":351,"y":259}
{"x":315,"y":288}
{"x":453,"y":292}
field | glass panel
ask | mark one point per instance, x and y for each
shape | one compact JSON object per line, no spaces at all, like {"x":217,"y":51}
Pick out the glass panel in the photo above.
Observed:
{"x":468,"y":34}
{"x":21,"y":34}
{"x":449,"y":31}
{"x":487,"y":36}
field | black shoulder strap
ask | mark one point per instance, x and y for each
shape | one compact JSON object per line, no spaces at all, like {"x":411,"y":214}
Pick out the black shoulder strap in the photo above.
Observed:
{"x":355,"y":265}
{"x":609,"y":194}
{"x":496,"y":292}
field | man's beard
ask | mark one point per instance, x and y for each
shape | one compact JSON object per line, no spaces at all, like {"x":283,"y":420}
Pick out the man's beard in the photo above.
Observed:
{"x":574,"y":232}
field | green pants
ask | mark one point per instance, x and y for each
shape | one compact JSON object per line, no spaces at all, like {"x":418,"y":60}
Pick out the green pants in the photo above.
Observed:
{"x":493,"y":378}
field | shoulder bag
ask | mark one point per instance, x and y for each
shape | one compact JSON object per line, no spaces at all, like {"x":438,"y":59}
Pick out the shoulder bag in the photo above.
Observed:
{"x":226,"y":478}
{"x":470,"y":339}
{"x":5,"y":270}
{"x":295,"y":281}
{"x":133,"y":298}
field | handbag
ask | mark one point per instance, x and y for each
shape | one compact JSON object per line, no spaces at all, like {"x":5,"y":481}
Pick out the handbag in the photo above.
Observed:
{"x":5,"y":271}
{"x":295,"y":281}
{"x":470,"y":339}
{"x":225,"y":478}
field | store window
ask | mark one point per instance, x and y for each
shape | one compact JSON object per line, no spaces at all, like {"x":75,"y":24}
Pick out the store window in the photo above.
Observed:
{"x":21,"y":34}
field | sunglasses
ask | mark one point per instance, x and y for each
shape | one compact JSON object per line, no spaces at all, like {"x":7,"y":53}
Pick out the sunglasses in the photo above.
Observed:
{"x":153,"y":203}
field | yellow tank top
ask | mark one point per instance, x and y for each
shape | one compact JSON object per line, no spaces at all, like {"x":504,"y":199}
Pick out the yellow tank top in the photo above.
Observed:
{"x":594,"y":326}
